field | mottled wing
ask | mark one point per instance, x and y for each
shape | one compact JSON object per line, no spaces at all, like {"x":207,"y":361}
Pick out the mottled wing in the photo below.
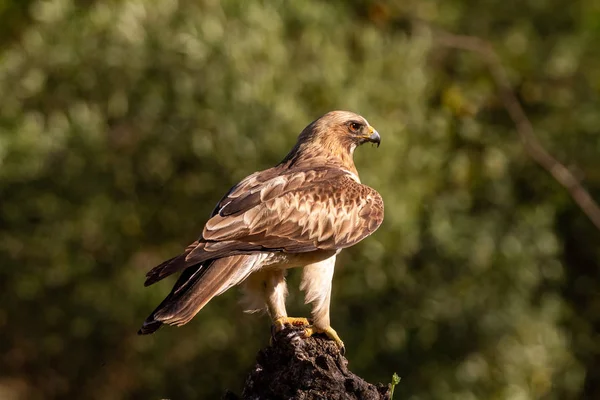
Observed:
{"x":269,"y":184}
{"x":301,"y":211}
{"x":321,"y":214}
{"x":251,"y":191}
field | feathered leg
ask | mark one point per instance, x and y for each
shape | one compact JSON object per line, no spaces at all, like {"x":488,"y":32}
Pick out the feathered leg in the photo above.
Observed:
{"x":275,"y":293}
{"x":316,"y":283}
{"x":268,"y":289}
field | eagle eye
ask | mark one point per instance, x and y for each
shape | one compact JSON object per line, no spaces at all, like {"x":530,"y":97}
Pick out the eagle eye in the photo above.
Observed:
{"x":355,"y":127}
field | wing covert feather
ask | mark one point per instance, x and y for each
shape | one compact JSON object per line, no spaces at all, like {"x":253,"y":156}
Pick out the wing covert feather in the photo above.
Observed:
{"x":298,"y":214}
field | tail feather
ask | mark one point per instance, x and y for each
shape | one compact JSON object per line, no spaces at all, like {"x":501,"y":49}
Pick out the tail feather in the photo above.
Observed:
{"x":196,"y":286}
{"x":171,"y":266}
{"x":187,"y":278}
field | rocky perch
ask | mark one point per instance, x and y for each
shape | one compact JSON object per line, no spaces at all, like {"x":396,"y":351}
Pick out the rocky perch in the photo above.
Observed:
{"x":298,"y":368}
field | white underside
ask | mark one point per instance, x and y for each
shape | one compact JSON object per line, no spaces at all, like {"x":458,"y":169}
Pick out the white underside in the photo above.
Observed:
{"x":264,"y":285}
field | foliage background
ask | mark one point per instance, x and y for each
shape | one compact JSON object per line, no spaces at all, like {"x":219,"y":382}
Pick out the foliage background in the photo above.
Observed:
{"x":123,"y":122}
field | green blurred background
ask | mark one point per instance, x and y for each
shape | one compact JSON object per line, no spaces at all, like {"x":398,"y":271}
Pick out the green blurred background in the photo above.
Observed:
{"x":123,"y":122}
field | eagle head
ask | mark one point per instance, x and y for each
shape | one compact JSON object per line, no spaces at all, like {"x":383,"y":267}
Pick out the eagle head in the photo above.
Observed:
{"x":340,"y":129}
{"x":334,"y":136}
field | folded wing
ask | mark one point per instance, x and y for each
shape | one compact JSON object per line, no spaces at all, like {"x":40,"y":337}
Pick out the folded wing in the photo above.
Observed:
{"x":301,"y":211}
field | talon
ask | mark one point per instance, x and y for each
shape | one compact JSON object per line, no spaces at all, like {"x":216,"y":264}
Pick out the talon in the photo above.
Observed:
{"x":329,"y":331}
{"x":282,"y":322}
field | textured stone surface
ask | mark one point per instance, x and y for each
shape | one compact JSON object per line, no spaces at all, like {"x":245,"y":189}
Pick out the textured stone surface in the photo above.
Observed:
{"x":293,"y":367}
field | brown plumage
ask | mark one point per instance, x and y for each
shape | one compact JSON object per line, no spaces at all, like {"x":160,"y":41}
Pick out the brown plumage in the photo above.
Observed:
{"x":300,"y":213}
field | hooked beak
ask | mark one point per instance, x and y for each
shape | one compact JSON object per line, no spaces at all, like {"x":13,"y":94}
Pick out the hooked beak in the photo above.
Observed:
{"x":374,"y":138}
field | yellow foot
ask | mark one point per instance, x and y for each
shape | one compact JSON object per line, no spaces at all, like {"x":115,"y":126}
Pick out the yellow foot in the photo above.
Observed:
{"x":282,"y":322}
{"x":329,"y":331}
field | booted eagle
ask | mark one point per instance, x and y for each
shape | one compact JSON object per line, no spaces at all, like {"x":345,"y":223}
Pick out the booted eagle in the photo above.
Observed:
{"x":300,"y":213}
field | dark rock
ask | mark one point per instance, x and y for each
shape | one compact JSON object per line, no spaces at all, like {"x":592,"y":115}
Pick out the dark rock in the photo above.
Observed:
{"x":298,"y":368}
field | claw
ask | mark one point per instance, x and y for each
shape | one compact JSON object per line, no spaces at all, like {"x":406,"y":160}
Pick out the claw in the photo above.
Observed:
{"x":329,"y":331}
{"x":282,"y":322}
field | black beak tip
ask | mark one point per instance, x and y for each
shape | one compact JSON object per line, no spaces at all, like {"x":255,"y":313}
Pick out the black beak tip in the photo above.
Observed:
{"x":375,"y":138}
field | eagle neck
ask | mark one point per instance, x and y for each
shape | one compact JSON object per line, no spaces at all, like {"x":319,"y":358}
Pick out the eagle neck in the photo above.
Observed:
{"x":315,"y":159}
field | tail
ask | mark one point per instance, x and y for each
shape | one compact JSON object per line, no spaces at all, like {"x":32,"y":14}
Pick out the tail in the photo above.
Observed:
{"x":196,"y":286}
{"x":196,"y":254}
{"x":186,"y":279}
{"x":170,"y":266}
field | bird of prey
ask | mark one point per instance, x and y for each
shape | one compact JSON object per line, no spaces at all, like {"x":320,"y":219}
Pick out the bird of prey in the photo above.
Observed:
{"x":300,"y":213}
